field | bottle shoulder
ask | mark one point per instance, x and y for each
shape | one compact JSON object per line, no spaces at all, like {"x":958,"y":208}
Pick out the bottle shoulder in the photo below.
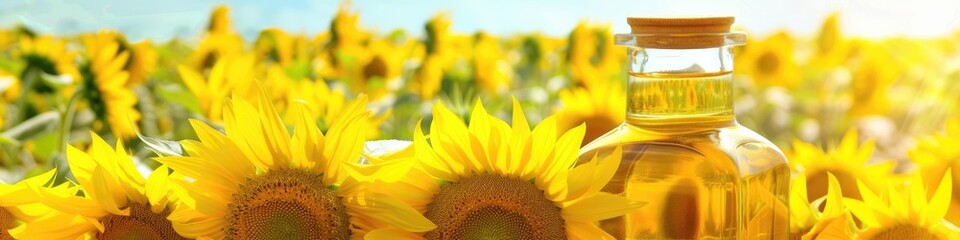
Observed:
{"x":735,"y":144}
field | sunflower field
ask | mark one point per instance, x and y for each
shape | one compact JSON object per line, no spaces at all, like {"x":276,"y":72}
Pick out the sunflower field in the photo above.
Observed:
{"x":354,"y":133}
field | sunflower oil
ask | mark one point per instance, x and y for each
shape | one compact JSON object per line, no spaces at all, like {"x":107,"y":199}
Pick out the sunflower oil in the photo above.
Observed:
{"x":701,"y":175}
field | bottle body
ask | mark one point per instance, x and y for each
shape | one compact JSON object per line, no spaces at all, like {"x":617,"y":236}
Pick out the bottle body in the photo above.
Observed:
{"x":707,"y":183}
{"x":701,"y":175}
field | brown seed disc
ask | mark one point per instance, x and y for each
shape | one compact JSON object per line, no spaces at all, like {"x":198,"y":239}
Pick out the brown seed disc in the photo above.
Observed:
{"x":286,"y":204}
{"x":902,"y":232}
{"x":141,"y":224}
{"x":494,"y":207}
{"x":6,"y":222}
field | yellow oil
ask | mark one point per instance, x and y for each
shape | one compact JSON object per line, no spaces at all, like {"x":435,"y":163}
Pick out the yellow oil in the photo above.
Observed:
{"x":701,"y":175}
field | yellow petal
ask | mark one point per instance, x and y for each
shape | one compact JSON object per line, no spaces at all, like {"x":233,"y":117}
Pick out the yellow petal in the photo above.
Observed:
{"x":862,"y":211}
{"x":834,"y":197}
{"x":940,"y":202}
{"x":388,"y":210}
{"x":344,"y":140}
{"x":390,"y":233}
{"x":599,"y":207}
{"x":586,"y":230}
{"x":220,"y":151}
{"x":801,"y":211}
{"x":306,"y":145}
{"x":208,"y":227}
{"x":69,"y":203}
{"x":105,"y":193}
{"x":203,"y":171}
{"x":430,"y":162}
{"x":565,"y":153}
{"x":158,"y":189}
{"x":58,"y":226}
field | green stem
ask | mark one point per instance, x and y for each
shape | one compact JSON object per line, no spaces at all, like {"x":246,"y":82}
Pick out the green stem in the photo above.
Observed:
{"x":67,"y":118}
{"x":29,"y":78}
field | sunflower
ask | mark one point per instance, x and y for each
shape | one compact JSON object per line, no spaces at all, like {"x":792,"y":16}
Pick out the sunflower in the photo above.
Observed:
{"x":905,"y":216}
{"x":346,"y":45}
{"x":116,"y":201}
{"x":46,"y":55}
{"x":326,"y":104}
{"x":276,"y":45}
{"x":832,"y":49}
{"x":439,"y":56}
{"x":220,"y":40}
{"x":503,"y":182}
{"x":143,"y":60}
{"x":872,"y":79}
{"x":105,"y":85}
{"x":935,"y":155}
{"x":602,"y":108}
{"x":847,"y":161}
{"x":592,"y":55}
{"x":491,"y":71}
{"x":770,"y":62}
{"x":808,"y":222}
{"x":258,"y":182}
{"x":382,"y":68}
{"x":231,"y":74}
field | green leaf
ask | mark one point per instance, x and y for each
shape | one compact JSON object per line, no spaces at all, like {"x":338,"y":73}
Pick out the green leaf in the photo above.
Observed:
{"x":176,"y":94}
{"x":162,"y":147}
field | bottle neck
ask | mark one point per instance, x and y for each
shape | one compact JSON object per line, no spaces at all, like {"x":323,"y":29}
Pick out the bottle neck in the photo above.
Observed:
{"x":670,"y":87}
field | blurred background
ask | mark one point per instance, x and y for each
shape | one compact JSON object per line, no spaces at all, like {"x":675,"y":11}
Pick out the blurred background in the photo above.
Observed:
{"x":841,"y":86}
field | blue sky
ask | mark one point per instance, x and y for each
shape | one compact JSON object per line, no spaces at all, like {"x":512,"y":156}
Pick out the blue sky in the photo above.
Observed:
{"x":162,"y":20}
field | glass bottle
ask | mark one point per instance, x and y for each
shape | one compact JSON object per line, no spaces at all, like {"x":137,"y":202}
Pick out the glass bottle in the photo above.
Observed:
{"x":701,"y":174}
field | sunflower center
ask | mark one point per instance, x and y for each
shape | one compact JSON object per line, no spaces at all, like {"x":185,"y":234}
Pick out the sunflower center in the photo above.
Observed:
{"x":141,"y":224}
{"x":768,"y":62}
{"x":44,"y":64}
{"x":905,"y":232}
{"x":286,"y":204}
{"x":6,"y":222}
{"x":376,"y":68}
{"x":493,"y":207}
{"x":92,"y":92}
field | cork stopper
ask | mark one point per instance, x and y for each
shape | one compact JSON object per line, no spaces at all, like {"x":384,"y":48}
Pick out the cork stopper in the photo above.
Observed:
{"x":680,"y":33}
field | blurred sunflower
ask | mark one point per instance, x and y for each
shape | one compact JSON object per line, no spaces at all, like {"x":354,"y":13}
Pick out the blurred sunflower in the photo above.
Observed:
{"x":602,"y":108}
{"x":905,"y":216}
{"x":591,"y":54}
{"x":143,"y":60}
{"x":847,"y":161}
{"x":220,"y":41}
{"x":428,"y":77}
{"x":105,"y":85}
{"x":770,"y":62}
{"x":326,"y":105}
{"x":808,"y":222}
{"x":346,"y":45}
{"x":491,"y":71}
{"x":229,"y":75}
{"x":44,"y":54}
{"x":503,"y":182}
{"x":872,"y":79}
{"x":116,"y":201}
{"x":259,"y":182}
{"x":275,"y":45}
{"x":935,"y":155}
{"x":382,"y":69}
{"x":832,"y":49}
